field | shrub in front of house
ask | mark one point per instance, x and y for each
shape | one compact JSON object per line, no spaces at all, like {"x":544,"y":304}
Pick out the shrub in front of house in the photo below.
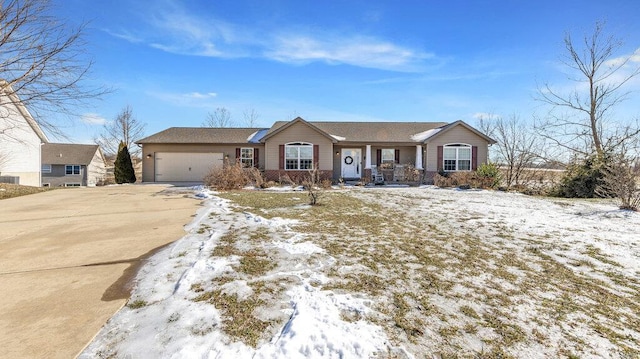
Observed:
{"x":487,"y":176}
{"x":582,"y":178}
{"x":234,"y":176}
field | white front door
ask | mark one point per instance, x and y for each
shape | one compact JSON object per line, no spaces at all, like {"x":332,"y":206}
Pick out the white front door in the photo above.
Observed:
{"x":351,"y":163}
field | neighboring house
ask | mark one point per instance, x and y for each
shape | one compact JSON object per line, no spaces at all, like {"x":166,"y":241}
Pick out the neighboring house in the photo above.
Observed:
{"x":71,"y":165}
{"x":347,"y":150}
{"x":20,"y":140}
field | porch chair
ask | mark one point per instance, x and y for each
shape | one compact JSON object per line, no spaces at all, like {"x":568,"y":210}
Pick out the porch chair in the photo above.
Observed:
{"x":377,"y":177}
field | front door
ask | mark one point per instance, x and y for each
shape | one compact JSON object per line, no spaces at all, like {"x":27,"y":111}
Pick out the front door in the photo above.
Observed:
{"x":351,"y":166}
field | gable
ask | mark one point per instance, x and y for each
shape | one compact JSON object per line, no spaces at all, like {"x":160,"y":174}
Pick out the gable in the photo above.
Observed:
{"x":296,"y":127}
{"x":458,"y":132}
{"x":299,"y":132}
{"x":14,"y":115}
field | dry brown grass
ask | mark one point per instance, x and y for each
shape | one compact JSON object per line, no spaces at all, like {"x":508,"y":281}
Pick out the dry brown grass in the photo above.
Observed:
{"x":15,"y":190}
{"x":438,"y":278}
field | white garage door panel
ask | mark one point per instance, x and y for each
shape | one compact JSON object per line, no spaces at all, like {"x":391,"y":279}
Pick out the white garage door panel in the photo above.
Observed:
{"x":185,"y":167}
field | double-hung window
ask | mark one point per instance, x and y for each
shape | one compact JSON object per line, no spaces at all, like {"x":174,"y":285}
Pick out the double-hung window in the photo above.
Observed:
{"x":46,"y":168}
{"x":72,"y":170}
{"x":388,"y":155}
{"x":457,"y":157}
{"x":246,"y":157}
{"x":298,"y":156}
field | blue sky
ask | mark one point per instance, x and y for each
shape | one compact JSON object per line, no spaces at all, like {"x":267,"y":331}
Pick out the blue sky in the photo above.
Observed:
{"x":174,"y":62}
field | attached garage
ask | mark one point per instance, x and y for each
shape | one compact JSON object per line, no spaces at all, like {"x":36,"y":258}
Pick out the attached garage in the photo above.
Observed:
{"x":185,"y":166}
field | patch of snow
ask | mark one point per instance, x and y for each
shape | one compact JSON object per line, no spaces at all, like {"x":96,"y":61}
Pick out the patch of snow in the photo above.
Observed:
{"x":339,"y":138}
{"x":257,"y":136}
{"x":172,"y":325}
{"x":423,"y":136}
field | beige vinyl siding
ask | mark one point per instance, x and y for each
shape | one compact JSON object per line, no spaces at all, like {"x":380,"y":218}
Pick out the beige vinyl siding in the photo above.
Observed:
{"x":299,"y":132}
{"x":148,"y":165}
{"x":96,"y":171}
{"x":458,"y":134}
{"x":19,"y":146}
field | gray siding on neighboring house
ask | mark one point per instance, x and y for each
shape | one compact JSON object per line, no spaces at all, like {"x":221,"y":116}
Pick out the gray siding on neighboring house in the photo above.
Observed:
{"x":58,"y":176}
{"x":148,"y":162}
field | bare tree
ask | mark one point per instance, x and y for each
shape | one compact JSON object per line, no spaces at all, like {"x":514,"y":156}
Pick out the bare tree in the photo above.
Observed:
{"x":578,"y":120}
{"x":126,"y":129}
{"x":620,"y":179}
{"x":43,"y":60}
{"x":251,"y":118}
{"x":221,"y":117}
{"x":517,"y":149}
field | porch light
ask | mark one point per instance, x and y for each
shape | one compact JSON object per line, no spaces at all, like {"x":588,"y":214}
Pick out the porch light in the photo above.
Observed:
{"x":149,"y":155}
{"x":337,"y":153}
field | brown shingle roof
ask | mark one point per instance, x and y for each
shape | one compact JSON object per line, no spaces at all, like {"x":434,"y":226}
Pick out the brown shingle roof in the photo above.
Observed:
{"x":205,"y":135}
{"x":67,"y":154}
{"x":376,"y":131}
{"x":369,"y":131}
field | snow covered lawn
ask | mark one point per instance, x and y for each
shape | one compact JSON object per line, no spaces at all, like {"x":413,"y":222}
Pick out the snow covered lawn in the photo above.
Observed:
{"x":388,"y":273}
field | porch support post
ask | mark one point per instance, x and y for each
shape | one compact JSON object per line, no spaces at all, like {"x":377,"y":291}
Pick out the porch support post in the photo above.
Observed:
{"x":419,"y":157}
{"x":367,"y":162}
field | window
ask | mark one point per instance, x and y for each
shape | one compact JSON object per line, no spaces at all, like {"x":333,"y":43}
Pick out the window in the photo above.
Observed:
{"x":46,"y":168}
{"x":246,"y":157}
{"x":298,"y":156}
{"x":72,"y":169}
{"x":388,"y":155}
{"x":457,"y":157}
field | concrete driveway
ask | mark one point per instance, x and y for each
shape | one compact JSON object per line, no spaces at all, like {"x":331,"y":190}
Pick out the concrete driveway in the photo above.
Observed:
{"x":66,"y":257}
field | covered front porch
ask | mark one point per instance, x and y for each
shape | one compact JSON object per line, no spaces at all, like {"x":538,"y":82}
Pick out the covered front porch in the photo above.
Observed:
{"x":378,"y":163}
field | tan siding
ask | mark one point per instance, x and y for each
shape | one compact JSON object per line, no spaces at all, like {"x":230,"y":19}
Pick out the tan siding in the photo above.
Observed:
{"x":299,"y":132}
{"x":148,"y":163}
{"x":19,"y":147}
{"x":96,"y":171}
{"x":458,"y":134}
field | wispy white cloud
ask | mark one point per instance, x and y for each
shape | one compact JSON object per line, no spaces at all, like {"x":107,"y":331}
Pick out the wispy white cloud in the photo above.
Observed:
{"x":485,"y":116}
{"x":198,"y":95}
{"x":353,"y":50}
{"x":174,"y":29}
{"x":178,"y":31}
{"x":631,"y":59}
{"x":93,"y":119}
{"x":190,"y":99}
{"x":125,"y":35}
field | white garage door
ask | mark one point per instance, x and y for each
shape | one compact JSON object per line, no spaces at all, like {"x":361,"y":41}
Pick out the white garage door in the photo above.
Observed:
{"x":185,"y":167}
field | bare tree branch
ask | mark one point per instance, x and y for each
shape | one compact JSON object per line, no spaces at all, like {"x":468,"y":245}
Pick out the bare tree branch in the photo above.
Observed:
{"x":251,"y":118}
{"x":593,"y":61}
{"x":517,"y":148}
{"x":220,"y":118}
{"x":43,"y":60}
{"x":126,"y":129}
